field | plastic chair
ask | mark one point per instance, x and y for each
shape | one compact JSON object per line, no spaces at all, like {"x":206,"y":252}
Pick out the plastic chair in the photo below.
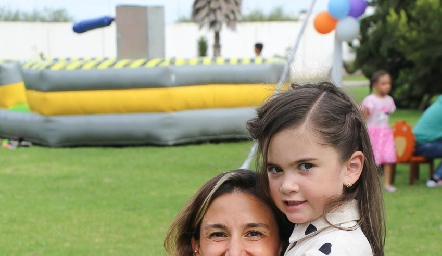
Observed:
{"x":405,"y":142}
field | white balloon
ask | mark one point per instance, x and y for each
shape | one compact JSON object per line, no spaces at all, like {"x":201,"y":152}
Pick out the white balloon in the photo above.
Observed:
{"x":347,"y":29}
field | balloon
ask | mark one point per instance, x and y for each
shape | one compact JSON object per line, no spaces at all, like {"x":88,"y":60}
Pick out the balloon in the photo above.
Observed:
{"x":347,"y":29}
{"x":357,"y":8}
{"x":87,"y":25}
{"x":324,"y":23}
{"x":339,"y":8}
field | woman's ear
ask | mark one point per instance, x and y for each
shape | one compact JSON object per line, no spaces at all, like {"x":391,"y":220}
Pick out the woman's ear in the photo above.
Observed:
{"x":195,"y":246}
{"x":354,"y":168}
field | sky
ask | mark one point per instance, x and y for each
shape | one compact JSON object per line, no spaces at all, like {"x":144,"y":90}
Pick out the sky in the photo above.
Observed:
{"x":173,"y":9}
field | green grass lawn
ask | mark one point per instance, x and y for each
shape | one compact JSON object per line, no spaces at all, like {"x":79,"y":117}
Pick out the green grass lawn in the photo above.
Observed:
{"x":355,"y":78}
{"x":120,"y":201}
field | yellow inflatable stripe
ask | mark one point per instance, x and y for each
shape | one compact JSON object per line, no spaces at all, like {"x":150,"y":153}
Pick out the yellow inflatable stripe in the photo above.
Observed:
{"x":59,"y":65}
{"x":180,"y":62}
{"x":233,"y":61}
{"x":153,"y":62}
{"x":74,"y":65}
{"x":193,"y":61}
{"x":220,"y":61}
{"x":28,"y":64}
{"x":105,"y":64}
{"x":148,"y":99}
{"x":35,"y":65}
{"x":137,"y":63}
{"x":90,"y":64}
{"x":246,"y":61}
{"x":207,"y":61}
{"x":109,"y":63}
{"x":12,"y":94}
{"x":121,"y":63}
{"x":165,"y":62}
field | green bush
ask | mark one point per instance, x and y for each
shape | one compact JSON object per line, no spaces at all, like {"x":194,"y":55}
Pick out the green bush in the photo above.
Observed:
{"x":202,"y":47}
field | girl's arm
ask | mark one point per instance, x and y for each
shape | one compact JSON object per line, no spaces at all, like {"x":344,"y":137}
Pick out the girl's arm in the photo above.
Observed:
{"x":364,"y":110}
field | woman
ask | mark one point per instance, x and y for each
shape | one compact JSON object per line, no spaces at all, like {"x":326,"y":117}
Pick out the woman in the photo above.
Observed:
{"x":228,"y":215}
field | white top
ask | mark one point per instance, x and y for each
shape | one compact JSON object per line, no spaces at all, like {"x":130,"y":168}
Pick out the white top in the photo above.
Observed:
{"x":319,"y":238}
{"x":379,"y":109}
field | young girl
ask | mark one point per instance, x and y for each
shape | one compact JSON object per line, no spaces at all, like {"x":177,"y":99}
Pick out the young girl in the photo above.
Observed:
{"x":317,"y":165}
{"x":377,"y":108}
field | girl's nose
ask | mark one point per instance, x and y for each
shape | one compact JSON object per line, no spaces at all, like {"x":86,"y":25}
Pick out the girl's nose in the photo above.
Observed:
{"x":289,"y":184}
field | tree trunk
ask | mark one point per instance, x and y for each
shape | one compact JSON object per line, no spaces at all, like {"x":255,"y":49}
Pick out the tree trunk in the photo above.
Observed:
{"x":217,"y":45}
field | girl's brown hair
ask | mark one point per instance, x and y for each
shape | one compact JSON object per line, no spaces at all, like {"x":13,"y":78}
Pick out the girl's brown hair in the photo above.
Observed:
{"x":335,"y":118}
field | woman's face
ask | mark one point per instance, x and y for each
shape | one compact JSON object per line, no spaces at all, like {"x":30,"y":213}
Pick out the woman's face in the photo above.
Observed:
{"x":238,"y":224}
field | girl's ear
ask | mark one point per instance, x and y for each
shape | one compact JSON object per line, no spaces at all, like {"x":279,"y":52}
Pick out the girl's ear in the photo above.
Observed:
{"x":195,"y":246}
{"x":354,"y":168}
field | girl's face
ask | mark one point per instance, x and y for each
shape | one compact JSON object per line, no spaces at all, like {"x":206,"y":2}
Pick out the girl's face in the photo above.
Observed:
{"x":303,"y":174}
{"x":238,"y":224}
{"x":383,"y":85}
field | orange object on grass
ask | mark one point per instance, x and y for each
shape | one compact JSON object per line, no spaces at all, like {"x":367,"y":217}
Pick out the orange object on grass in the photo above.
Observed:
{"x":405,"y":143}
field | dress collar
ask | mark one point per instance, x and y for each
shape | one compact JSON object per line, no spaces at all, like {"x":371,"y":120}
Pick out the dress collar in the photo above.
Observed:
{"x":344,"y":213}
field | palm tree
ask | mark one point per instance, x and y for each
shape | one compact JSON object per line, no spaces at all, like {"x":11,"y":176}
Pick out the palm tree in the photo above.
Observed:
{"x":215,"y":13}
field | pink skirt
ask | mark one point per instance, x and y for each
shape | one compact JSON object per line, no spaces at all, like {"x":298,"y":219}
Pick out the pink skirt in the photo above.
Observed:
{"x":382,"y":141}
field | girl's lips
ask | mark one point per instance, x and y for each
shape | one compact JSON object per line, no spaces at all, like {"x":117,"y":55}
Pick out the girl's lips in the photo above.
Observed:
{"x":293,"y":203}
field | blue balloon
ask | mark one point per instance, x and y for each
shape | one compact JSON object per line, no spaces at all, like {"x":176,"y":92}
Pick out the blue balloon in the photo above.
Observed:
{"x":339,"y":9}
{"x":87,"y":25}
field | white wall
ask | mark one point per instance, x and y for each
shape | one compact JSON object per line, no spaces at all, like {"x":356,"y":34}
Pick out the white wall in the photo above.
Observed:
{"x":22,"y":40}
{"x":25,"y":40}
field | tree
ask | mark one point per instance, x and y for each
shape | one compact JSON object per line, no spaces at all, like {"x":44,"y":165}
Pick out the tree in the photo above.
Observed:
{"x":45,"y":15}
{"x":277,"y":14}
{"x":403,"y":38}
{"x":215,"y":13}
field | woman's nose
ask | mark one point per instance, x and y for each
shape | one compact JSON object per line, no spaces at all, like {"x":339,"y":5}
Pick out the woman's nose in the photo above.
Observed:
{"x":236,"y":248}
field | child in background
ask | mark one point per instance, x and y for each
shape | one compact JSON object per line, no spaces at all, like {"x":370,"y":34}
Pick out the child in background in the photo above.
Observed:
{"x":317,"y":165}
{"x":258,"y":49}
{"x":377,"y":107}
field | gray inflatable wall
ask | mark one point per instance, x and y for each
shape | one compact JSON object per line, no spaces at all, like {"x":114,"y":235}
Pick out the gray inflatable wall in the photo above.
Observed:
{"x":107,"y":124}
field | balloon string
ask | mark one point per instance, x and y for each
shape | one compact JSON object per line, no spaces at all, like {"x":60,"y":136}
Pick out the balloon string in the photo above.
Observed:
{"x":283,"y":77}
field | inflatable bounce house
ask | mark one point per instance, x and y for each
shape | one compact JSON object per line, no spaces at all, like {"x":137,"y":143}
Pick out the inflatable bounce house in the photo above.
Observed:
{"x":156,"y":101}
{"x":103,"y":102}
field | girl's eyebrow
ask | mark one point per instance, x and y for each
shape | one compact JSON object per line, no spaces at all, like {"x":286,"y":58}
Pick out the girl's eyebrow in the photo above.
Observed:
{"x":294,"y":162}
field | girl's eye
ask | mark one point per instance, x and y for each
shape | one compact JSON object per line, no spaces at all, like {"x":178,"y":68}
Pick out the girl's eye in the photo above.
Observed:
{"x":305,"y":166}
{"x":273,"y":169}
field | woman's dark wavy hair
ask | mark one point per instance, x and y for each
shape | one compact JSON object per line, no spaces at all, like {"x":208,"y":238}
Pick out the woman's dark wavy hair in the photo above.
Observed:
{"x":331,"y":115}
{"x":186,"y":224}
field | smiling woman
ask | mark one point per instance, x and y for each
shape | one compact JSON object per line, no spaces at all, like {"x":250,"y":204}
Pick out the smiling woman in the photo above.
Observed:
{"x":227,"y":215}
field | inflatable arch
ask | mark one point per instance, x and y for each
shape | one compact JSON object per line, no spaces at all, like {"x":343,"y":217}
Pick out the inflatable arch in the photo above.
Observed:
{"x":101,"y":102}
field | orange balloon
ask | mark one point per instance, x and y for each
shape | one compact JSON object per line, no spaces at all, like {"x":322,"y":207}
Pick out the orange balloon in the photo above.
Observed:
{"x":324,"y":23}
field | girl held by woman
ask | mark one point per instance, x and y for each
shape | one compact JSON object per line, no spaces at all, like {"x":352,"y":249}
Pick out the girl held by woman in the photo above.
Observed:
{"x":317,"y":165}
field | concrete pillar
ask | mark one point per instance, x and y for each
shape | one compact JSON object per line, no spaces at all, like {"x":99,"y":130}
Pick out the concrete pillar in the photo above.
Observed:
{"x":140,"y":32}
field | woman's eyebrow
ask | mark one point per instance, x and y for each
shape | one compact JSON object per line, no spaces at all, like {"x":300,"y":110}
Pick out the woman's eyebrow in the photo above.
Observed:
{"x":256,"y":225}
{"x":215,"y":225}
